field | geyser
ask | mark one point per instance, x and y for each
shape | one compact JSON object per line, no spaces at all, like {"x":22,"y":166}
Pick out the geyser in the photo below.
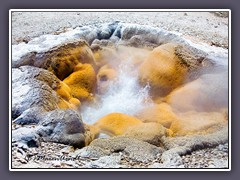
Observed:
{"x":117,"y":72}
{"x":123,"y":95}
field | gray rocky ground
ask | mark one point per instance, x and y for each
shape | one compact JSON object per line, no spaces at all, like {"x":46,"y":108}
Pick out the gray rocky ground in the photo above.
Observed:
{"x":53,"y":155}
{"x":203,"y":26}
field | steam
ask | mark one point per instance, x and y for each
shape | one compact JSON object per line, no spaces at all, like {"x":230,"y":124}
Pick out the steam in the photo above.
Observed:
{"x":207,"y":93}
{"x":124,"y":95}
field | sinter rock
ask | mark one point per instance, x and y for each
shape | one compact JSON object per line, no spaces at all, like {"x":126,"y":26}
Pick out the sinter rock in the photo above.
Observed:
{"x":135,"y":149}
{"x":60,"y":126}
{"x":33,"y":88}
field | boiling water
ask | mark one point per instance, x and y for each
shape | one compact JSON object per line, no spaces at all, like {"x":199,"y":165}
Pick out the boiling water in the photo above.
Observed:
{"x":124,"y":95}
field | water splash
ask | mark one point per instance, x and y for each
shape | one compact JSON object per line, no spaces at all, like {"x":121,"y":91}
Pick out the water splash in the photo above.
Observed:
{"x":124,"y":95}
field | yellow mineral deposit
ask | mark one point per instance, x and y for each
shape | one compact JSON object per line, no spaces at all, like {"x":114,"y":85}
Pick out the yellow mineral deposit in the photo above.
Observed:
{"x":163,"y":70}
{"x":149,"y":132}
{"x":160,"y":113}
{"x":91,"y":133}
{"x":198,"y":123}
{"x":63,"y":104}
{"x":62,"y":61}
{"x":105,"y":74}
{"x":207,"y":93}
{"x":177,"y":107}
{"x":66,"y":100}
{"x":75,"y":102}
{"x":64,"y":91}
{"x":116,"y":123}
{"x":82,"y":82}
